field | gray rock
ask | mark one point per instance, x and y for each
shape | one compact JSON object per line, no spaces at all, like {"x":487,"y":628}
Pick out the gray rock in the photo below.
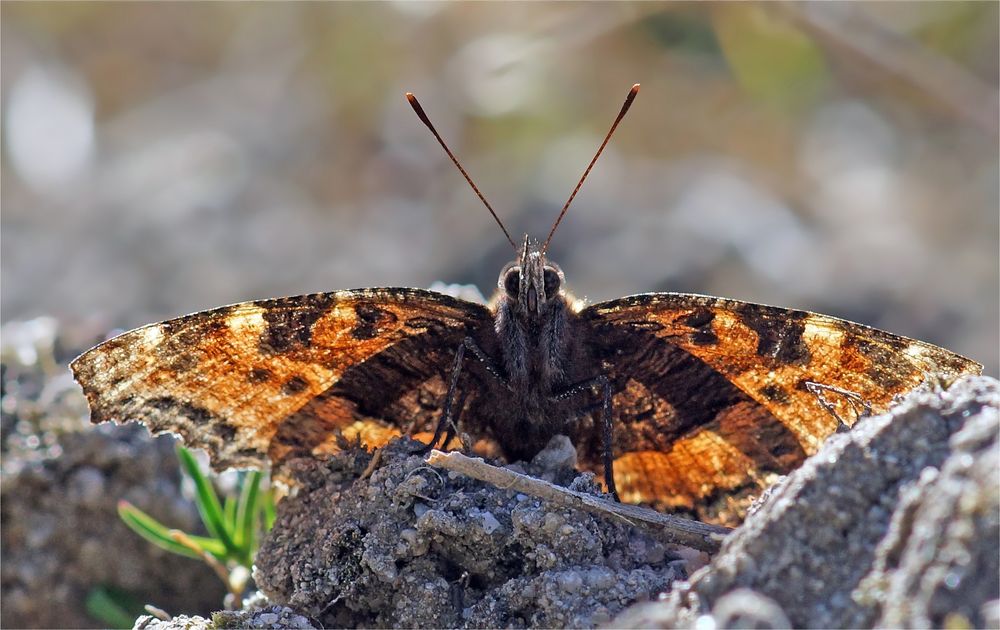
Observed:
{"x":936,"y":567}
{"x":744,"y":608}
{"x":892,"y":524}
{"x":276,"y":617}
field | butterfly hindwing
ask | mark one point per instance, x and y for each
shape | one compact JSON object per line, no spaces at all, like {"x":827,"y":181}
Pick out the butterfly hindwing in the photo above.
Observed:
{"x":711,"y":400}
{"x":275,"y":378}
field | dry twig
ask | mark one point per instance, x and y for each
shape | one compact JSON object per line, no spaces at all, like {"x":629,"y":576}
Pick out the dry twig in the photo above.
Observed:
{"x":672,"y":529}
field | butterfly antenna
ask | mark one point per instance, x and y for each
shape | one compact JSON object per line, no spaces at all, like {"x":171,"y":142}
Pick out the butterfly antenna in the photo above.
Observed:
{"x":427,"y":121}
{"x":621,"y":114}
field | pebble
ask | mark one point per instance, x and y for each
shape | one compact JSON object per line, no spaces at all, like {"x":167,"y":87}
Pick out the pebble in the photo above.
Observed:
{"x":552,"y":522}
{"x":409,"y":535}
{"x":570,"y":582}
{"x":268,"y":618}
{"x":490,"y":523}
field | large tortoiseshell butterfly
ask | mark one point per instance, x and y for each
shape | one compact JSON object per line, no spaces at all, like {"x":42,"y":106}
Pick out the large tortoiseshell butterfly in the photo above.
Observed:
{"x":686,"y":402}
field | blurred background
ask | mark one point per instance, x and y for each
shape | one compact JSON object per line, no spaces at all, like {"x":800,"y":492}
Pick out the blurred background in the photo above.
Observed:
{"x":162,"y":158}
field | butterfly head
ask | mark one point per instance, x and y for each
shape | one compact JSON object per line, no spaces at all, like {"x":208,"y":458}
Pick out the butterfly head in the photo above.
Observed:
{"x":531,"y":283}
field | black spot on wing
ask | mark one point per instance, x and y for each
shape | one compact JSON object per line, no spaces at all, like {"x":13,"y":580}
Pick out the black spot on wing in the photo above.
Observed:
{"x":774,"y":393}
{"x":369,"y":318}
{"x":422,"y":323}
{"x":699,"y":318}
{"x":294,"y":385}
{"x":779,"y":338}
{"x":224,"y":431}
{"x":701,"y":321}
{"x":290,"y":321}
{"x":704,"y":338}
{"x":259,"y":375}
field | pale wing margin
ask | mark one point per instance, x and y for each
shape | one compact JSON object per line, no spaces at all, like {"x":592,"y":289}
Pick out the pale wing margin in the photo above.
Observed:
{"x":225,"y":378}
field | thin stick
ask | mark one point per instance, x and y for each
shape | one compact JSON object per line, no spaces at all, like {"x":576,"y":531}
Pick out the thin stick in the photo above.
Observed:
{"x":223,"y":573}
{"x":373,"y":465}
{"x":672,"y":529}
{"x":159,"y":613}
{"x":621,"y":114}
{"x":427,"y":121}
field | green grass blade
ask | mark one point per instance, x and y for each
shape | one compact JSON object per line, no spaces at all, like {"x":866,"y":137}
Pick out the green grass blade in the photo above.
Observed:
{"x":213,"y":546}
{"x":229,"y":515}
{"x":159,"y":534}
{"x":247,"y":514}
{"x":207,"y":500}
{"x":269,"y":509}
{"x":150,"y":529}
{"x":113,"y":608}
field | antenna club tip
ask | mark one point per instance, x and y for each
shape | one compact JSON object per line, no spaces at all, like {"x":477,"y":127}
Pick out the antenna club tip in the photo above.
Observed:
{"x":420,"y":111}
{"x":631,"y":95}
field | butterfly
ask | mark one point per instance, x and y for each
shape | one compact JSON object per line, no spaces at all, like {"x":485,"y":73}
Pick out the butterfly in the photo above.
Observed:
{"x":685,"y":402}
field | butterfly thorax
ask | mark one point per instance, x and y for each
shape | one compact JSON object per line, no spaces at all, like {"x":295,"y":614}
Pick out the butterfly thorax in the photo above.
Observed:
{"x":534,"y":350}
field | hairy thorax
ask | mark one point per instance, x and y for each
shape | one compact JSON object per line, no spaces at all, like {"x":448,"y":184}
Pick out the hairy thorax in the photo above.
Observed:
{"x":541,"y":356}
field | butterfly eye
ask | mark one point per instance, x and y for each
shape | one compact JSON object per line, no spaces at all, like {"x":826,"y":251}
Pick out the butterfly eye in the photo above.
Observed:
{"x":512,"y":281}
{"x":551,"y":282}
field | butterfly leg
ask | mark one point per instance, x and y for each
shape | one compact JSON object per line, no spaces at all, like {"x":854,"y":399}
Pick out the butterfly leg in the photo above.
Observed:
{"x":452,"y":427}
{"x":446,"y":424}
{"x":861,"y":407}
{"x":604,"y":384}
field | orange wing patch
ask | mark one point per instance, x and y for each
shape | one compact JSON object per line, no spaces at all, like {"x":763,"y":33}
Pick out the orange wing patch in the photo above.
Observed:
{"x":702,"y":473}
{"x":227,"y":379}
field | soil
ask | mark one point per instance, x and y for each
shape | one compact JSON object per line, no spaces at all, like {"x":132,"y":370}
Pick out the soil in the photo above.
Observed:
{"x":412,"y":546}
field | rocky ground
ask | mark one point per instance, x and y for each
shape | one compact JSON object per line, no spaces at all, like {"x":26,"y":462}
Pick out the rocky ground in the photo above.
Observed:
{"x":893,"y":524}
{"x":60,"y":485}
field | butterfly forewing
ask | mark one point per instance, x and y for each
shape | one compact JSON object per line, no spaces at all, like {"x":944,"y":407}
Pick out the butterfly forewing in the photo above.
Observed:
{"x":274,"y":378}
